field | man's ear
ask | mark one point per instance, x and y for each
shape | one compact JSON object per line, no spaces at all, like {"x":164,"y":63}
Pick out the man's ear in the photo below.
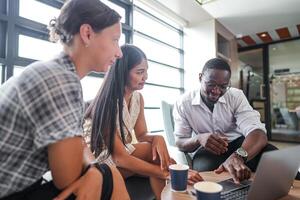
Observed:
{"x":200,"y":76}
{"x":86,"y":32}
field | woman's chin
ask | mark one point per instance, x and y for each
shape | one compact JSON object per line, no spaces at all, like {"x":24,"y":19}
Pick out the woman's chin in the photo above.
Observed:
{"x":102,"y":68}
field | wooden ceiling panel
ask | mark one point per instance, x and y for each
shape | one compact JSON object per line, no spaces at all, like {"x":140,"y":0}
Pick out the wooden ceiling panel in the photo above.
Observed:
{"x":283,"y":33}
{"x":248,"y":40}
{"x":269,"y":36}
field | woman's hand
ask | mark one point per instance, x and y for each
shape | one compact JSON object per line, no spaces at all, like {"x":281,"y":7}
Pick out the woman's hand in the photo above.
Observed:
{"x":159,"y":148}
{"x":87,"y":187}
{"x":194,"y":177}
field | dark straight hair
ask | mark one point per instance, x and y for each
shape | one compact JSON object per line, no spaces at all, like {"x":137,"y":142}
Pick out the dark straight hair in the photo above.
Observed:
{"x":74,"y":13}
{"x":109,"y":101}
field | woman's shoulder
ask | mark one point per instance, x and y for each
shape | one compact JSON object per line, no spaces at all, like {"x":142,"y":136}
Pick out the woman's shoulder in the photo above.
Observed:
{"x":137,"y":94}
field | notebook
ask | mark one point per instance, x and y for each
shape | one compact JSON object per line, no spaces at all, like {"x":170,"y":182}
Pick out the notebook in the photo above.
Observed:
{"x":273,"y":178}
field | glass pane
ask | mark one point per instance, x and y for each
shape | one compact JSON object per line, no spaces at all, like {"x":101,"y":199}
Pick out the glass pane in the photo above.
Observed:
{"x":2,"y":38}
{"x":1,"y":73}
{"x":90,"y":87}
{"x":154,"y":94}
{"x":154,"y":119}
{"x":3,"y":7}
{"x":37,"y":49}
{"x":122,"y":39}
{"x":153,"y":27}
{"x":158,"y":52}
{"x":285,"y":90}
{"x":117,"y":8}
{"x":163,"y":75}
{"x":18,"y":70}
{"x":158,"y":15}
{"x":37,"y":11}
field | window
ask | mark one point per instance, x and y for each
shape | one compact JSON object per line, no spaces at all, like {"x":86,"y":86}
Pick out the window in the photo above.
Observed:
{"x":2,"y":38}
{"x":154,"y":94}
{"x":3,"y":7}
{"x":37,"y":11}
{"x":28,"y":41}
{"x":18,"y":70}
{"x":153,"y":27}
{"x":30,"y":47}
{"x":1,"y":73}
{"x":32,"y":36}
{"x":165,"y":57}
{"x":90,"y":87}
{"x":157,"y":75}
{"x":119,"y":9}
{"x":157,"y":51}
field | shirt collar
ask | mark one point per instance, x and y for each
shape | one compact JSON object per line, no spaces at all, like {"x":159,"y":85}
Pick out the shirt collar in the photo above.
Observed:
{"x":197,"y":100}
{"x":65,"y":60}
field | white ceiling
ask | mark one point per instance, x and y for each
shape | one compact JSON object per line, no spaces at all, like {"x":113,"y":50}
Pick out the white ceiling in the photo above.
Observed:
{"x":245,"y":17}
{"x":241,"y":17}
{"x":189,"y":10}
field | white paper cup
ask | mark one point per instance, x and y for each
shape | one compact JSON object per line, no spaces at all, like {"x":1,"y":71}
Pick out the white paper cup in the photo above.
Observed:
{"x":208,"y":190}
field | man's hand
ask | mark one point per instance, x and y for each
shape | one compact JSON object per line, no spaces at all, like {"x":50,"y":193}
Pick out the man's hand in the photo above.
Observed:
{"x":236,"y":167}
{"x":87,"y":187}
{"x":215,"y":143}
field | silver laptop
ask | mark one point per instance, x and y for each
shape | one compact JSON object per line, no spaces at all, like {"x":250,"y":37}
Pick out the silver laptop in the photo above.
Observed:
{"x":273,"y":179}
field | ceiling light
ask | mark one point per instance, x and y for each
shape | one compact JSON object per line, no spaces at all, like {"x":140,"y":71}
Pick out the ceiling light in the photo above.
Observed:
{"x":239,"y":36}
{"x":263,"y":35}
{"x":201,"y":2}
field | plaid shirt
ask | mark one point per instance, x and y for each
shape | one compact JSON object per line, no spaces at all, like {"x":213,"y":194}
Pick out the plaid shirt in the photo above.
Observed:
{"x":40,"y":107}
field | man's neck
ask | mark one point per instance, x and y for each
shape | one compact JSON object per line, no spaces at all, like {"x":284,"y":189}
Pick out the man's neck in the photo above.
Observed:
{"x":208,"y":104}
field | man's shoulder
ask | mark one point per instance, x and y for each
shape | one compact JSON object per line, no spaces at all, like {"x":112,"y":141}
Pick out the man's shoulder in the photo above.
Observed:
{"x":187,"y":97}
{"x":234,"y":93}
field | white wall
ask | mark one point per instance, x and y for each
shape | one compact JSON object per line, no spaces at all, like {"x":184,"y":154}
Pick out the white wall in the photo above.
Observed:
{"x":199,"y":46}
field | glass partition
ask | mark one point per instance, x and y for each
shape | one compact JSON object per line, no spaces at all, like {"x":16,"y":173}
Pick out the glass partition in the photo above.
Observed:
{"x":285,"y":90}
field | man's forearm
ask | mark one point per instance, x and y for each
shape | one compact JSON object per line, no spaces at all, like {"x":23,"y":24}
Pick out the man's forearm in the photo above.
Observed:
{"x":254,"y":143}
{"x":187,"y":144}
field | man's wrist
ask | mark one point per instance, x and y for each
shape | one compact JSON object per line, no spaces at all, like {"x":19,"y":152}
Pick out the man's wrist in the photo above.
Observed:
{"x":242,"y":154}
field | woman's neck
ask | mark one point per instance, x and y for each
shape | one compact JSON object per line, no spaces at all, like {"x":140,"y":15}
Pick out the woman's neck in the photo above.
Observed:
{"x":127,"y":95}
{"x":79,"y":60}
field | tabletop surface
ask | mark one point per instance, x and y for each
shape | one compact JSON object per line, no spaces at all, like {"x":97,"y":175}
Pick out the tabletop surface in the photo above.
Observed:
{"x":167,"y":194}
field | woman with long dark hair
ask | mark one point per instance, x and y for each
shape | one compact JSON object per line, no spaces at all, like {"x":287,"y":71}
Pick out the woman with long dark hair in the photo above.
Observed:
{"x":41,"y":113}
{"x":116,"y":125}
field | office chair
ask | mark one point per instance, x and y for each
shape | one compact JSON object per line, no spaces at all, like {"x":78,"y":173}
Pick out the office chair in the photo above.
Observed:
{"x":182,"y":157}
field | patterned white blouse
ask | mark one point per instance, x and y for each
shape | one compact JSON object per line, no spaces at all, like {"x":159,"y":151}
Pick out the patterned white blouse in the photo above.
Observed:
{"x":130,"y":115}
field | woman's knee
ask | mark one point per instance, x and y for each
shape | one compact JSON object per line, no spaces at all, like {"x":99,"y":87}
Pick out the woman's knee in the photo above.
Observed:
{"x":143,"y":151}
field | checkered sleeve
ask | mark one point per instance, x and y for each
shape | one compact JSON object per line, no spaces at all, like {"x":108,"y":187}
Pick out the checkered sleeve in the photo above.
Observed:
{"x":53,"y":103}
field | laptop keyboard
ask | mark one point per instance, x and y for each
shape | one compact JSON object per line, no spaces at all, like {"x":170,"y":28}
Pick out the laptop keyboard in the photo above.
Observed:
{"x":240,"y":194}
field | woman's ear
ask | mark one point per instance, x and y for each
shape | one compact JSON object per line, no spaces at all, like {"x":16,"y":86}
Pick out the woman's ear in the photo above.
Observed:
{"x":86,"y":33}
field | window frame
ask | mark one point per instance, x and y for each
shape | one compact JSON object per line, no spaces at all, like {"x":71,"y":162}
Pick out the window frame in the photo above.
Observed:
{"x":17,"y":25}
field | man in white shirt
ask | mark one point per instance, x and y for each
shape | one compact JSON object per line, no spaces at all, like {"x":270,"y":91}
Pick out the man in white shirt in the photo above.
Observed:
{"x":217,"y":123}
